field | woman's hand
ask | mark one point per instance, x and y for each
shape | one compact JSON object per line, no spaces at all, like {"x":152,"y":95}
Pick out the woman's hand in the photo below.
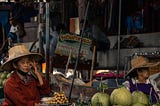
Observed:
{"x":37,"y":104}
{"x":34,"y":65}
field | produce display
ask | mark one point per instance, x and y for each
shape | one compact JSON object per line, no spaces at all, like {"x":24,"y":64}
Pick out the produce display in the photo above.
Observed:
{"x":140,"y":97}
{"x":3,"y":76}
{"x":100,"y":99}
{"x":121,"y":96}
{"x":118,"y":97}
{"x":58,"y":98}
{"x":139,"y":104}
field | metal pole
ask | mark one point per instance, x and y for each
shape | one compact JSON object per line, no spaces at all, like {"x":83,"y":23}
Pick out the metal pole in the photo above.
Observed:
{"x":40,"y":24}
{"x":40,"y":29}
{"x":80,"y":45}
{"x":118,"y":37}
{"x":47,"y":42}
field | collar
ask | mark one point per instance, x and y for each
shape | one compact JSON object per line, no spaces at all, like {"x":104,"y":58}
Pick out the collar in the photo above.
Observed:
{"x":25,"y":78}
{"x":136,"y":81}
{"x":22,"y":73}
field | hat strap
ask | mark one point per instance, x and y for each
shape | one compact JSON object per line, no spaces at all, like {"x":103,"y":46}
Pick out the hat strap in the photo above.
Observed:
{"x":22,"y":73}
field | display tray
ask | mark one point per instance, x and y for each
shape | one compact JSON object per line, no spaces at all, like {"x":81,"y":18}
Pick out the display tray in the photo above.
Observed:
{"x":86,"y":91}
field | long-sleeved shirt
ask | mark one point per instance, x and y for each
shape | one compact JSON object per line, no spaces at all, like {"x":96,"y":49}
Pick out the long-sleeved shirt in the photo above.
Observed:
{"x":20,"y":93}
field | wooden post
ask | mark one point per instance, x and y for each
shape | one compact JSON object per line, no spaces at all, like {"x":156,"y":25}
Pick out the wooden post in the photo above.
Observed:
{"x":69,"y":59}
{"x":92,"y":66}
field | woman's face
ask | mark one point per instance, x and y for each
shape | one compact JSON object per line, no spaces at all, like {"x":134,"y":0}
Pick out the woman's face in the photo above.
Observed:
{"x":24,"y":64}
{"x":144,"y":73}
{"x":12,"y":22}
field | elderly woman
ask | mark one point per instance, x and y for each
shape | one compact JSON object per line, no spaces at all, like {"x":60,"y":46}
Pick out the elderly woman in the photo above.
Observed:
{"x":26,"y":84}
{"x":139,"y":78}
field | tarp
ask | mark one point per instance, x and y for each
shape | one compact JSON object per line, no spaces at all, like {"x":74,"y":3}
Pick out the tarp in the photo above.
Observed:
{"x":4,"y":20}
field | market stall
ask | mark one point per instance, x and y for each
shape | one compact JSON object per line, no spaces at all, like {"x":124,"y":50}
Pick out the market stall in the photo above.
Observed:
{"x":74,"y":80}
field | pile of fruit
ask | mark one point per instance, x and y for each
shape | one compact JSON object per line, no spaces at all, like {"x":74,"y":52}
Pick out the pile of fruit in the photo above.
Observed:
{"x":3,"y":76}
{"x":121,"y":97}
{"x":58,"y":98}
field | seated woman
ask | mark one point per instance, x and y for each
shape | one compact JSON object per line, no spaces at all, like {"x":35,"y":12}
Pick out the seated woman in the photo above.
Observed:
{"x":26,"y":85}
{"x":139,"y":78}
{"x":16,"y":32}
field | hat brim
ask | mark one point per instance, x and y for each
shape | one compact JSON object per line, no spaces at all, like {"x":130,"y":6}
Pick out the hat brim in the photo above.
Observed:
{"x":8,"y":64}
{"x":148,"y":65}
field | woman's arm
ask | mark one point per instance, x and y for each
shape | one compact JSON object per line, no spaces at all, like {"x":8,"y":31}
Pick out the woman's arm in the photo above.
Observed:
{"x":35,"y":71}
{"x":43,"y":85}
{"x":126,"y":84}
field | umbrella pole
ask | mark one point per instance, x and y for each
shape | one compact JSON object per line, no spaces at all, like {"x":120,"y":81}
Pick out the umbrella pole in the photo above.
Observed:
{"x":118,"y":37}
{"x":79,"y":49}
{"x":47,"y":42}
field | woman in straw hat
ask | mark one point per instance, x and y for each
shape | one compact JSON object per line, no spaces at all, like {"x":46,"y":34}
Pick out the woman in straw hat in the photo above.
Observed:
{"x":139,"y":78}
{"x":24,"y":87}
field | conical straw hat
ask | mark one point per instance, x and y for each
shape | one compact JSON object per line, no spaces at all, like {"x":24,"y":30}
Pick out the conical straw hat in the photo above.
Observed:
{"x":140,"y":62}
{"x":17,"y":52}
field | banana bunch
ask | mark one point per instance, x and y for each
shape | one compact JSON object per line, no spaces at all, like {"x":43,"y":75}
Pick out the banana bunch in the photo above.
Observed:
{"x":58,"y":98}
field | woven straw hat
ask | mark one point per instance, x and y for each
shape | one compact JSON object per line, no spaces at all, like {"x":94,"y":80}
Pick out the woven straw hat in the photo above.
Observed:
{"x":17,"y":52}
{"x":140,"y":62}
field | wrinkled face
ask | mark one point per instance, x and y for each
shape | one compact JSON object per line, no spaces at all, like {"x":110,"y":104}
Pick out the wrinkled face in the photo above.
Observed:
{"x":144,"y":72}
{"x":24,"y":64}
